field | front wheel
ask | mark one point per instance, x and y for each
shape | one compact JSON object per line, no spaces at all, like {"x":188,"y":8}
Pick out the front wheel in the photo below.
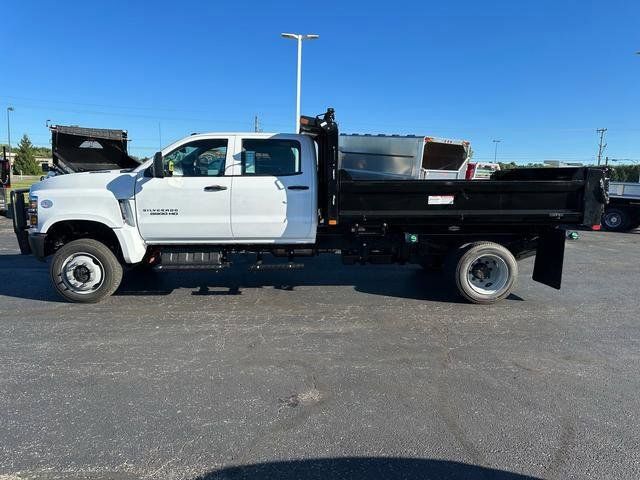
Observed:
{"x":484,"y":272}
{"x":85,"y":271}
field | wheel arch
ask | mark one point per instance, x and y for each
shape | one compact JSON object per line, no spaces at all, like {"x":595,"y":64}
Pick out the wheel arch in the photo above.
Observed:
{"x":65,"y":231}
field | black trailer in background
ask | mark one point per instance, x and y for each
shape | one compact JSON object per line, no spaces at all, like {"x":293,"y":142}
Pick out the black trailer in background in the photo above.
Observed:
{"x":81,"y":149}
{"x":623,"y":211}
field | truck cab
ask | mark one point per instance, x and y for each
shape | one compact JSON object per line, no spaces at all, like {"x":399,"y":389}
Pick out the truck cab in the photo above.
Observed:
{"x":231,"y":188}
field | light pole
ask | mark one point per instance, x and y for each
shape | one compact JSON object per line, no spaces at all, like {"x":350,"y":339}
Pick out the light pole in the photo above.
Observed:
{"x":495,"y":151}
{"x":9,"y":109}
{"x":299,"y":37}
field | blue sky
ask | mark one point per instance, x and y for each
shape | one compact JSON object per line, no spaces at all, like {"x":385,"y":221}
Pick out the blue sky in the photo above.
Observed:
{"x":541,"y":76}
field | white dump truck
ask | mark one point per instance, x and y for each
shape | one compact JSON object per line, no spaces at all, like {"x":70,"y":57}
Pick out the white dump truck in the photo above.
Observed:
{"x":208,"y":197}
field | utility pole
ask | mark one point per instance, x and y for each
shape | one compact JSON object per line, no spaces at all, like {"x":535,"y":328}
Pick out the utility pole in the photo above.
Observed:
{"x":160,"y":135}
{"x":9,"y":109}
{"x":495,"y":151}
{"x":602,"y":145}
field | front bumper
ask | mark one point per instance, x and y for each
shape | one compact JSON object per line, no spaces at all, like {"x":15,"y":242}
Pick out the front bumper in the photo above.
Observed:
{"x":36,"y":242}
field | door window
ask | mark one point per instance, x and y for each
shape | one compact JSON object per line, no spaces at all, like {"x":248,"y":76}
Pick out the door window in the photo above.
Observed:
{"x":200,"y":158}
{"x":272,"y":157}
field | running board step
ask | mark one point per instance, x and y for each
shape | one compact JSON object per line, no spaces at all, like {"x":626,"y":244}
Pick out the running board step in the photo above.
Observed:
{"x":190,"y":259}
{"x":258,"y":267}
{"x":191,"y":267}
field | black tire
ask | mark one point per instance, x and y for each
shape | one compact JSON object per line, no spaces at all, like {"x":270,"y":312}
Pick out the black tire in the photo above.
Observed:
{"x":93,"y":261}
{"x":616,"y":220}
{"x":481,"y":290}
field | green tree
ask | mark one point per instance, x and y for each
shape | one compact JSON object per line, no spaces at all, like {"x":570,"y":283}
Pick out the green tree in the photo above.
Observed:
{"x":25,"y":159}
{"x":625,"y":173}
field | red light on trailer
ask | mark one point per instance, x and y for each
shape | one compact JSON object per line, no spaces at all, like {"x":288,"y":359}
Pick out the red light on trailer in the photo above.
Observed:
{"x":428,"y":139}
{"x":471,"y":170}
{"x":596,"y":227}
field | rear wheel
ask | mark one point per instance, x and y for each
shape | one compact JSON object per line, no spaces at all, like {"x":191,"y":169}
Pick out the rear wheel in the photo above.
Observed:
{"x":616,"y":220}
{"x":483,"y":272}
{"x":85,"y":271}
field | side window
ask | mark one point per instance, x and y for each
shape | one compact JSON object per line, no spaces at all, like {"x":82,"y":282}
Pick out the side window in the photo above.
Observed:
{"x":200,"y":158}
{"x":270,"y":157}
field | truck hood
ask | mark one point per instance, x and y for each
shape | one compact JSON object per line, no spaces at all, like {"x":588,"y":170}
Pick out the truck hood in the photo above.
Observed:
{"x":80,"y":149}
{"x":120,"y":183}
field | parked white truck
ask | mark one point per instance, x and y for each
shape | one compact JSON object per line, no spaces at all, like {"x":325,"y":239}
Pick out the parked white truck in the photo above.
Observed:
{"x":208,"y":196}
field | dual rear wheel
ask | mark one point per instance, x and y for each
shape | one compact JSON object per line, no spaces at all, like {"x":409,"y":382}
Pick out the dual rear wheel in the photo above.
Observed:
{"x":483,"y":272}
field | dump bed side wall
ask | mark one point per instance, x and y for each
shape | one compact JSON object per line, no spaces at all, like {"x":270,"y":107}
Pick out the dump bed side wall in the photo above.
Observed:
{"x":547,"y":201}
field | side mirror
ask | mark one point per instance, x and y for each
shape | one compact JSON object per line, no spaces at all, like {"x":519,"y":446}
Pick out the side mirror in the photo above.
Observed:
{"x":158,"y":166}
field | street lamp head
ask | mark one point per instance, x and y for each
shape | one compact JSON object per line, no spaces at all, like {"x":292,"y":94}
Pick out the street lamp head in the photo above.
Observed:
{"x":299,"y":36}
{"x":9,"y":109}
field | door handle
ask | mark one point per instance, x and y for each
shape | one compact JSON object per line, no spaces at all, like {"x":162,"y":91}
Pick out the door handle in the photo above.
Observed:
{"x":214,"y":188}
{"x":298,"y":187}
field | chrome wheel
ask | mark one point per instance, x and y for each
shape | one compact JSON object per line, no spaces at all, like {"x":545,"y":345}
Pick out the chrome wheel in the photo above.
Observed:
{"x":82,"y":273}
{"x":488,"y":274}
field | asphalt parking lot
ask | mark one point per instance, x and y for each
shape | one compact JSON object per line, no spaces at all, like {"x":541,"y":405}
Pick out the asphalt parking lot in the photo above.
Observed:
{"x":323,"y":373}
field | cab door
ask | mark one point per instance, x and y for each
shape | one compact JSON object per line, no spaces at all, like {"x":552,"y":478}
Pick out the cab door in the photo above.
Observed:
{"x":273,"y":198}
{"x":192,"y":203}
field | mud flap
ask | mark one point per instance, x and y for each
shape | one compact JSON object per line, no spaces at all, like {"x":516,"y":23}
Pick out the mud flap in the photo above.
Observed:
{"x":550,"y":258}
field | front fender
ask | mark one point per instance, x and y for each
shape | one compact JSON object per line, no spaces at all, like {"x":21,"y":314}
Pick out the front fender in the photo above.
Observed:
{"x":105,"y":220}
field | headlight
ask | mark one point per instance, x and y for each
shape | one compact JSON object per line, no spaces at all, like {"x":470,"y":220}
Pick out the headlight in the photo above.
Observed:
{"x":32,"y":211}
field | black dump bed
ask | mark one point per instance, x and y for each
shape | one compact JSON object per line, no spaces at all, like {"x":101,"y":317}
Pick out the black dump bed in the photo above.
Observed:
{"x":531,"y":198}
{"x":540,"y":196}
